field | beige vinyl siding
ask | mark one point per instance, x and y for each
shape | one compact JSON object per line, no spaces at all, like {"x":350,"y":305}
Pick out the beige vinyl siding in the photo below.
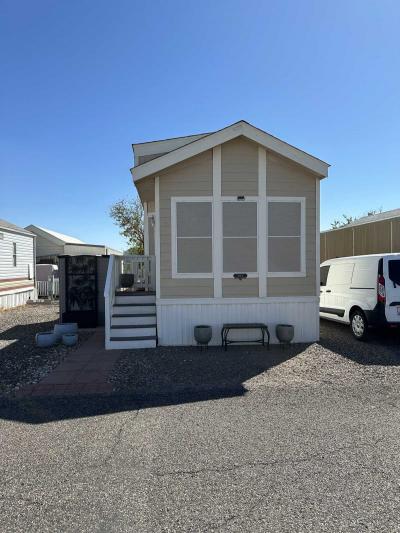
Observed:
{"x":246,"y":288}
{"x":25,"y":259}
{"x":192,"y":177}
{"x":83,"y":249}
{"x":239,"y":162}
{"x":285,"y":178}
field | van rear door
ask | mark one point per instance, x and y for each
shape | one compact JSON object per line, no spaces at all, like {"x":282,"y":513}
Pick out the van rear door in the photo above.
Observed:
{"x":391,"y":273}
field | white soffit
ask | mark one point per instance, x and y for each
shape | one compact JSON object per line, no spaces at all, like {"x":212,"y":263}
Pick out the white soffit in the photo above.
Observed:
{"x":238,"y":129}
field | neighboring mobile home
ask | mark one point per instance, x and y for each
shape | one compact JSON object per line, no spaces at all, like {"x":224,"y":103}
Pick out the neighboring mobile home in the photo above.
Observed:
{"x":50,"y":244}
{"x":232,"y":223}
{"x":17,"y":265}
{"x":374,"y":234}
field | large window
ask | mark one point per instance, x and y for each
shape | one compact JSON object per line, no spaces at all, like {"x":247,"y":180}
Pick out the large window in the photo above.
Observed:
{"x":286,"y":236}
{"x":239,"y":237}
{"x":191,"y":234}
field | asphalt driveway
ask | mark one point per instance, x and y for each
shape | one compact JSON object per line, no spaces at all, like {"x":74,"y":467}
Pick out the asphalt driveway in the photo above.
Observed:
{"x":310,"y":444}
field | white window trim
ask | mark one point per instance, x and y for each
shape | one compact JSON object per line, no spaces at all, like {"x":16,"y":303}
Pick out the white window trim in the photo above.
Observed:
{"x":254,"y":199}
{"x":297,"y":274}
{"x":174,"y":238}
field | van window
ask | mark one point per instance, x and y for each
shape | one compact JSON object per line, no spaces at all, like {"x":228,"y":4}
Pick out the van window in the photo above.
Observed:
{"x":340,"y":274}
{"x":324,"y":275}
{"x":394,"y":271}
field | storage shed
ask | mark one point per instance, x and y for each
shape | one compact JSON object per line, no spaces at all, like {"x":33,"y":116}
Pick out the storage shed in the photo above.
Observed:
{"x":373,"y":234}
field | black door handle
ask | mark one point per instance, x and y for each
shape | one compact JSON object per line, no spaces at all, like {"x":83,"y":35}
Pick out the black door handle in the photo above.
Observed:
{"x":328,"y":290}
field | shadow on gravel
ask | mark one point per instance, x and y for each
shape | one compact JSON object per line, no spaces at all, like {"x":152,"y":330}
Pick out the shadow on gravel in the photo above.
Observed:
{"x":382,"y":347}
{"x":160,"y":377}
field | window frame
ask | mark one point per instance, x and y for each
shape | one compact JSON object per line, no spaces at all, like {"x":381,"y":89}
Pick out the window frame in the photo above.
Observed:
{"x":302,"y":201}
{"x":247,"y":199}
{"x":14,"y":254}
{"x":174,"y":237}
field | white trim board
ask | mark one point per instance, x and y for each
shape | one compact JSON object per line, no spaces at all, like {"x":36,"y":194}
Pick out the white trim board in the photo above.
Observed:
{"x":226,"y":301}
{"x":233,"y":131}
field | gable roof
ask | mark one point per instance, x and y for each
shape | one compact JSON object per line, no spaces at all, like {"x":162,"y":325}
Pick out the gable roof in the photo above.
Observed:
{"x":208,"y":141}
{"x":54,"y":236}
{"x":4,"y":224}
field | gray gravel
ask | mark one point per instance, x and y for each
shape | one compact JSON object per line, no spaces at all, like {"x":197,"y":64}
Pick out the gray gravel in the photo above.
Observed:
{"x":338,"y":358}
{"x":21,"y":361}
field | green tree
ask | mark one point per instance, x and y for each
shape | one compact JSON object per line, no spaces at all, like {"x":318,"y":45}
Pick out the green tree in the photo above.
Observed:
{"x":128,"y":215}
{"x":337,"y":223}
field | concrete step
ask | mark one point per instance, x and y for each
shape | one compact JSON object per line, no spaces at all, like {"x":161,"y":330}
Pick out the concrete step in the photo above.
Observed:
{"x":132,"y":343}
{"x":117,"y":332}
{"x":128,"y":319}
{"x":129,"y":298}
{"x":133,"y":309}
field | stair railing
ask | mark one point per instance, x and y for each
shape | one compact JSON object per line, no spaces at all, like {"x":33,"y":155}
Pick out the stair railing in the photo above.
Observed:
{"x":109,"y":297}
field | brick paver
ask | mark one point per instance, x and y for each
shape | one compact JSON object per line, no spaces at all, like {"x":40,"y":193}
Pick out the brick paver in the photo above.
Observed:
{"x":83,"y":371}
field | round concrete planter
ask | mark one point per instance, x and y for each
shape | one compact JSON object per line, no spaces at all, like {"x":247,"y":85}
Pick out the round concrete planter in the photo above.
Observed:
{"x":285,"y":333}
{"x":61,"y":329}
{"x":46,"y":339}
{"x":202,"y":335}
{"x":70,"y":339}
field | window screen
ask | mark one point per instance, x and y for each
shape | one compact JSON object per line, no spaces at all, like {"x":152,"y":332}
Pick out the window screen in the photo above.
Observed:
{"x":193,"y":237}
{"x":284,"y":236}
{"x":239,"y":237}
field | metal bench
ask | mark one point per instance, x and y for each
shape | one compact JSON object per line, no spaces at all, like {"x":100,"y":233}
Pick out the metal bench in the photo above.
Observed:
{"x":253,"y":325}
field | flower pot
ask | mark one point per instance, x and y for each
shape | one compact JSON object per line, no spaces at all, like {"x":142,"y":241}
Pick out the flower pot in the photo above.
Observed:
{"x":285,"y":333}
{"x":45,"y":339}
{"x":202,"y":334}
{"x":61,"y":329}
{"x":70,"y":339}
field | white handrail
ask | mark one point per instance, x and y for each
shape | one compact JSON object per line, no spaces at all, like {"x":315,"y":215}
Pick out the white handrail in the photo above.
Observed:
{"x":109,"y":295}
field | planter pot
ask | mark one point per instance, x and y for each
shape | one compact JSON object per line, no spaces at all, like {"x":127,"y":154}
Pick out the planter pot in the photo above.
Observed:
{"x":285,"y":333}
{"x":202,"y":334}
{"x":70,"y":339}
{"x":61,"y":329}
{"x":46,"y":339}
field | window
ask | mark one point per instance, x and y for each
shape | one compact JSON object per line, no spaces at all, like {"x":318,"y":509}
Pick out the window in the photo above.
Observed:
{"x":286,"y":237}
{"x":324,"y":275}
{"x":14,"y":254}
{"x":239,"y":220}
{"x":191,"y":235}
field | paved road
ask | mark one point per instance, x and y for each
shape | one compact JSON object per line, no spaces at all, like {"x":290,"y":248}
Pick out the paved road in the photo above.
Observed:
{"x":291,"y":458}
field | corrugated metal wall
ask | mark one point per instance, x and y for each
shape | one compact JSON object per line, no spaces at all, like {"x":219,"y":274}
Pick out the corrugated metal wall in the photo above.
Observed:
{"x":371,"y":238}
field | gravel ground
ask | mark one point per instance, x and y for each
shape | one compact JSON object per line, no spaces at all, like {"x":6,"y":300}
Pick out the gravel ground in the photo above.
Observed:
{"x":21,"y":361}
{"x":336,"y":359}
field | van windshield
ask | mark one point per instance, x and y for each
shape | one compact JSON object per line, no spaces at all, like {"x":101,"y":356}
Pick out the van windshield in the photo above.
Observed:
{"x":394,"y":271}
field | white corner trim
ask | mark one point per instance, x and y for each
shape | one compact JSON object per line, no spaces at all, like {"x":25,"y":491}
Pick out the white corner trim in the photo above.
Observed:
{"x":226,"y":134}
{"x":303,"y":272}
{"x":217,"y":221}
{"x":317,"y":247}
{"x":262,"y":223}
{"x":174,"y":250}
{"x":157,"y":234}
{"x":146,"y":229}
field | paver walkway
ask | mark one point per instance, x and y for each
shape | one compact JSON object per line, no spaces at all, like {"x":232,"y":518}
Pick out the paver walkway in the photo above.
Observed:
{"x":83,"y":371}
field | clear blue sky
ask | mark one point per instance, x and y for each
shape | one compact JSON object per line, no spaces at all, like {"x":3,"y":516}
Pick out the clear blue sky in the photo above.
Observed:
{"x":81,"y":80}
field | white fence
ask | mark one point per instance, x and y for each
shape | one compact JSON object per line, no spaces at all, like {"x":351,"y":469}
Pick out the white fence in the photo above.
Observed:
{"x":48,"y":289}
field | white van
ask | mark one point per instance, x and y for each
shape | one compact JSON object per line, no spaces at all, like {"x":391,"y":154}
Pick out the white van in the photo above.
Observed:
{"x":361,"y":291}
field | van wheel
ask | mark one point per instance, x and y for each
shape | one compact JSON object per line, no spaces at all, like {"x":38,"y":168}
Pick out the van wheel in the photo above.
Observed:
{"x":359,"y":325}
